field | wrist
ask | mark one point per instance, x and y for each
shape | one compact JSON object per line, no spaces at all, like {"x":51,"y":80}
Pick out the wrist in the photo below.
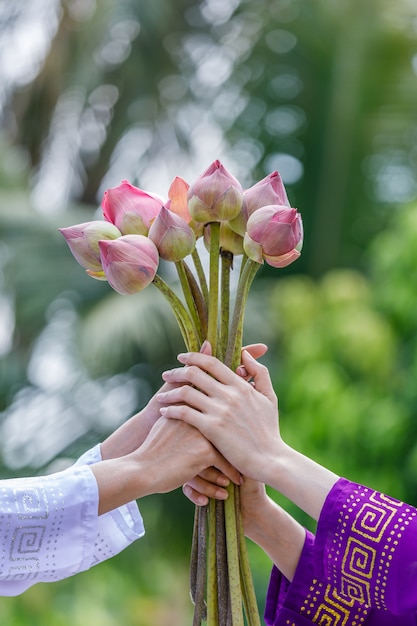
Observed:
{"x":119,"y":481}
{"x":130,"y":435}
{"x":280,"y":536}
{"x":257,"y":522}
{"x":302,"y":480}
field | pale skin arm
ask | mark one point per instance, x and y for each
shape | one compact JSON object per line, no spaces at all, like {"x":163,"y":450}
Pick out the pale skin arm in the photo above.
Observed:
{"x":279,"y":535}
{"x":241,"y":420}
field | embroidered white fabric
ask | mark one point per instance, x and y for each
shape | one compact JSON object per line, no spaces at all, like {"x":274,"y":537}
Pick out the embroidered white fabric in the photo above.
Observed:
{"x":50,"y":529}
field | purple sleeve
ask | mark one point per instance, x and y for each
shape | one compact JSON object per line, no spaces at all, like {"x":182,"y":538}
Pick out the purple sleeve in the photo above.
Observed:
{"x":308,"y":600}
{"x":283,"y":594}
{"x":321,"y":591}
{"x":366,"y":548}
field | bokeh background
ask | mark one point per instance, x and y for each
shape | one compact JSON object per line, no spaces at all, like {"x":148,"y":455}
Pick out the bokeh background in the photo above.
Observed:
{"x":95,"y":92}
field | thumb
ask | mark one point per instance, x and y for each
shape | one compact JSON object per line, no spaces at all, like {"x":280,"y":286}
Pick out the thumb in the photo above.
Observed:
{"x":260,"y":375}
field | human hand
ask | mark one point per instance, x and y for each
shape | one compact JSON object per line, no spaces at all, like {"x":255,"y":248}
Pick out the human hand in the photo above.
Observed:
{"x":130,"y":435}
{"x":175,"y":453}
{"x":211,"y":483}
{"x":240,"y":419}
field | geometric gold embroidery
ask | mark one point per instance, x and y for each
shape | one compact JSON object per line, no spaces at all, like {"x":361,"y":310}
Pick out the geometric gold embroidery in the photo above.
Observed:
{"x":359,"y":559}
{"x":358,"y":590}
{"x":369,"y":528}
{"x":372,"y":521}
{"x":326,"y":607}
{"x":335,"y":610}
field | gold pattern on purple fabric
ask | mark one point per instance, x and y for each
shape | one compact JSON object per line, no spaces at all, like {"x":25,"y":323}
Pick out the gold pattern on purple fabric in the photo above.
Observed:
{"x":369,"y":529}
{"x":325,"y":606}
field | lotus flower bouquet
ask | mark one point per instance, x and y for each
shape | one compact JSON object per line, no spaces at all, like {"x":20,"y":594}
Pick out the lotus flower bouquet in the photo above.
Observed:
{"x":125,"y":249}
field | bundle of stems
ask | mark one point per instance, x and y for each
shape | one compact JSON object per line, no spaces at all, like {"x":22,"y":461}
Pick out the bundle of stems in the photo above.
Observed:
{"x":221,"y":583}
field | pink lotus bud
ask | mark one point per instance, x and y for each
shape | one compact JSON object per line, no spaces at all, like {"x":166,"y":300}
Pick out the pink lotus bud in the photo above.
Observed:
{"x":83,"y":239}
{"x":131,"y":209}
{"x":177,"y":203}
{"x":274,"y":234}
{"x":215,"y":196}
{"x":100,"y":275}
{"x":177,"y":195}
{"x":268,"y":191}
{"x":172,"y":236}
{"x":229,"y":240}
{"x":130,"y":262}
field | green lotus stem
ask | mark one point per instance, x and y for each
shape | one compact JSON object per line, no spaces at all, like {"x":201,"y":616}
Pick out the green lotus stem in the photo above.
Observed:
{"x":182,"y":274}
{"x":201,"y":275}
{"x":232,"y":357}
{"x":182,"y":316}
{"x":214,"y":286}
{"x":212,"y":604}
{"x":198,"y":565}
{"x":221,"y":563}
{"x":200,"y":302}
{"x":243,"y":262}
{"x":233,"y":558}
{"x":213,"y":305}
{"x":226,"y":266}
{"x":194,"y":557}
{"x":248,"y":590}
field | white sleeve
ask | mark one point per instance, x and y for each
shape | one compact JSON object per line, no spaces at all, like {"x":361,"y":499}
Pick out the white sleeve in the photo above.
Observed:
{"x":115,"y":529}
{"x":49,"y":527}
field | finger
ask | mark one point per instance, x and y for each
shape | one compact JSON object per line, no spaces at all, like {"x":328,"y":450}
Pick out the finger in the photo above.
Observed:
{"x":256,"y":349}
{"x":209,"y":364}
{"x":206,"y":348}
{"x":186,"y":414}
{"x":242,"y":372}
{"x":185,"y":394}
{"x":260,"y":375}
{"x":198,"y":377}
{"x":201,"y":489}
{"x":196,"y":498}
{"x":213,"y":475}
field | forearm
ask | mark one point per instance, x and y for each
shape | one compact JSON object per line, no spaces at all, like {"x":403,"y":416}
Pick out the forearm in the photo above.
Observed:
{"x":119,"y":481}
{"x":279,"y":535}
{"x":132,"y":433}
{"x":171,"y":455}
{"x":302,"y":480}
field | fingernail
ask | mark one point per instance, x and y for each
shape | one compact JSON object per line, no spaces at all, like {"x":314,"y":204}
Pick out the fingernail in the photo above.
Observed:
{"x":204,"y":346}
{"x":202,"y":500}
{"x":182,"y":357}
{"x":223,"y":481}
{"x":221,"y":494}
{"x":241,"y":371}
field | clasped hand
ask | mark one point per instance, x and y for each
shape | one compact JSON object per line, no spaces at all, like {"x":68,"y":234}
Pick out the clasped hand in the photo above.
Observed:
{"x":239,"y":419}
